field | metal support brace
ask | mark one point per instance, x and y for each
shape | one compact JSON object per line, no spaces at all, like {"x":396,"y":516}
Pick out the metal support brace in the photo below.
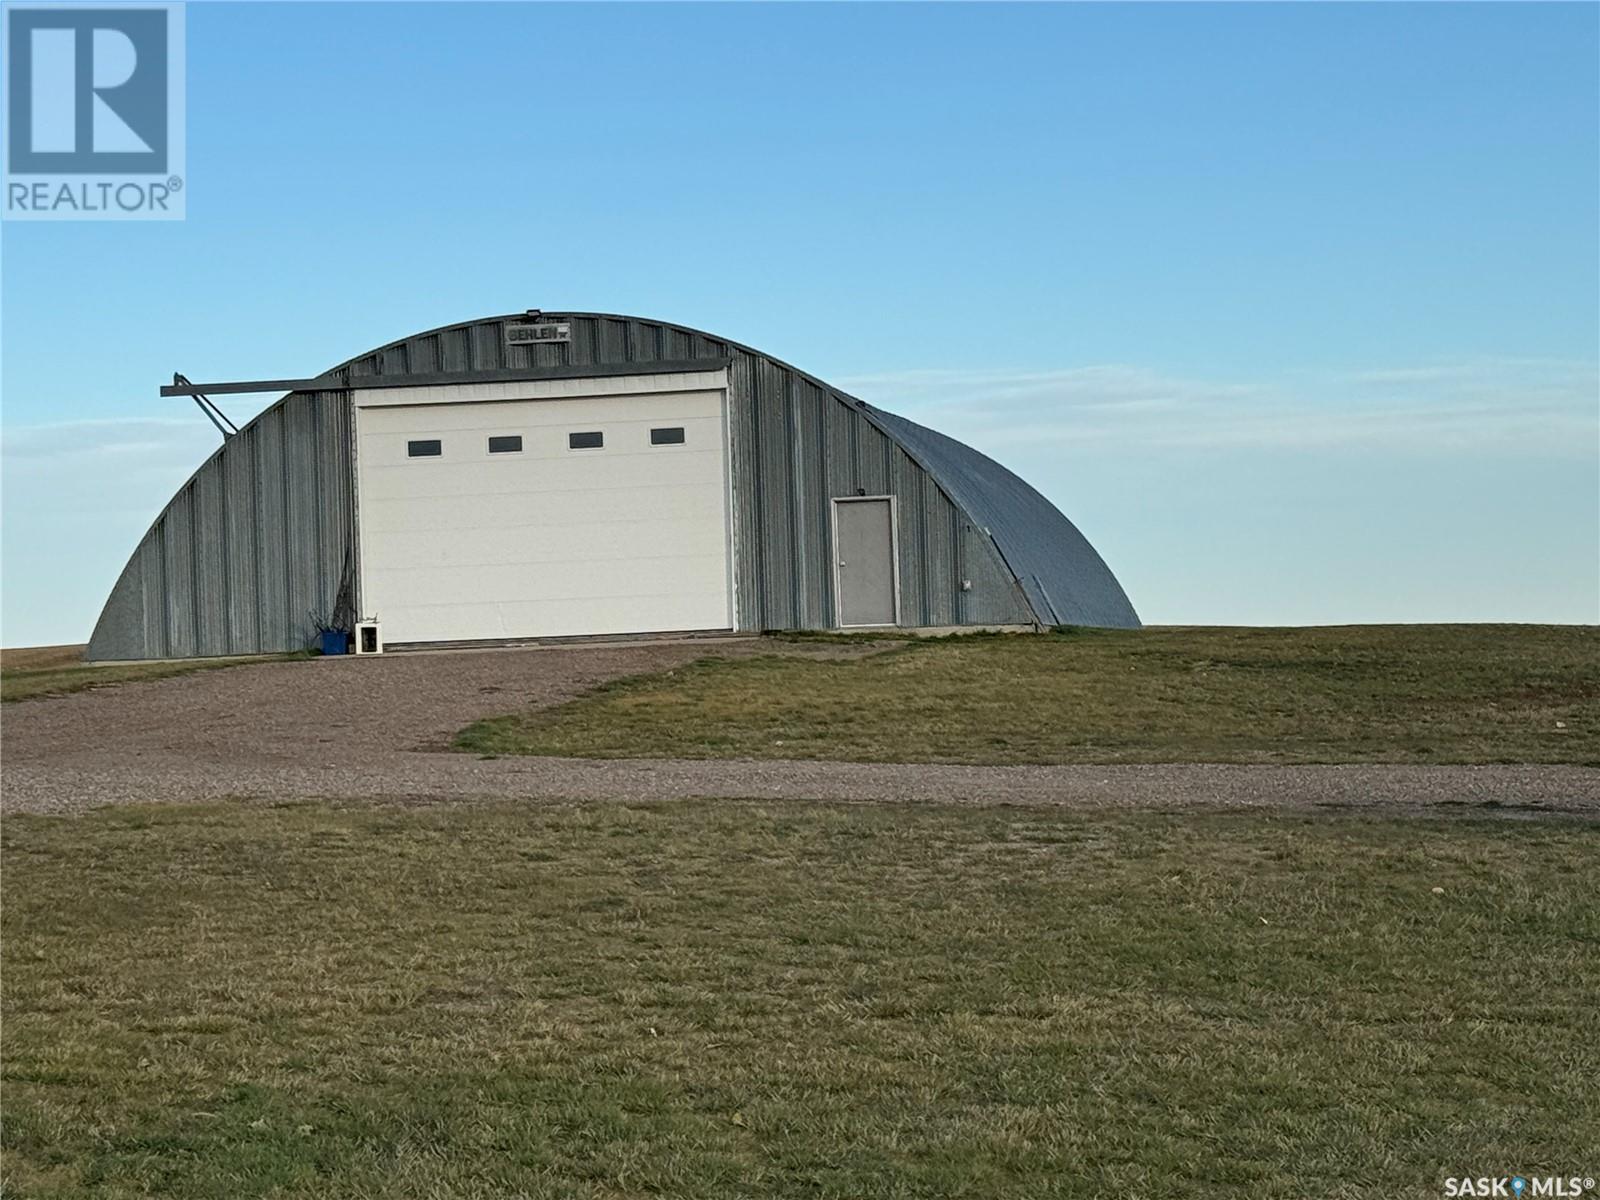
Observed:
{"x":208,"y":406}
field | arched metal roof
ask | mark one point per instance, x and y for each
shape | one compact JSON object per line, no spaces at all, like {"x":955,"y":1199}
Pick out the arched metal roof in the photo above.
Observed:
{"x":263,"y":533}
{"x":1065,"y":580}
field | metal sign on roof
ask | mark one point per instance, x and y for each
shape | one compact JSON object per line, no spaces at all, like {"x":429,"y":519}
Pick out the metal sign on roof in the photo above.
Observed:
{"x":543,"y":331}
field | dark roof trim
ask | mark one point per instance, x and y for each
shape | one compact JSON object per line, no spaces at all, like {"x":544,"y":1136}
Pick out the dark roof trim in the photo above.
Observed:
{"x":250,"y":385}
{"x":332,"y":382}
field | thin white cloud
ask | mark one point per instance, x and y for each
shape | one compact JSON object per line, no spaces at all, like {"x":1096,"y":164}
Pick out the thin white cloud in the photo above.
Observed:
{"x":110,"y":466}
{"x":1531,"y":405}
{"x":115,"y":437}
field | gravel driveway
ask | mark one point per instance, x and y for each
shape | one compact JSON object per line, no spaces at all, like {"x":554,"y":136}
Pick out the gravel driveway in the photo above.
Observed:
{"x":371,"y":729}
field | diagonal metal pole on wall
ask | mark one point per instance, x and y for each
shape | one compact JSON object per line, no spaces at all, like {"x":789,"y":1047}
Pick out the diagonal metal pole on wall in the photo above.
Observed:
{"x":208,"y":406}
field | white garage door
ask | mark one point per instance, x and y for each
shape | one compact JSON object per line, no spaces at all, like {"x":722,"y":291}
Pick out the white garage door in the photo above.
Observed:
{"x":485,"y":513}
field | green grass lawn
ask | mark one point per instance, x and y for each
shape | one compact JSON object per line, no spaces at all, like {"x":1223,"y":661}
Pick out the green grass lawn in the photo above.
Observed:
{"x":59,"y":670}
{"x":1396,"y":694}
{"x":710,"y":1000}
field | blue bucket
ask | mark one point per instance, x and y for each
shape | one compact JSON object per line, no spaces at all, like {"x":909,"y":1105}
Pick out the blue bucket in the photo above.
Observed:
{"x":335,"y":641}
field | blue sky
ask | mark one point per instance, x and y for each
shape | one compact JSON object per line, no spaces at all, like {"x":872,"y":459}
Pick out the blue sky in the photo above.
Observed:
{"x":1294,"y":309}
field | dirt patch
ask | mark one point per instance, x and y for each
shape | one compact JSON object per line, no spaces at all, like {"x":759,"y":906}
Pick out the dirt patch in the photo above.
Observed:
{"x":359,"y":715}
{"x":362,"y":729}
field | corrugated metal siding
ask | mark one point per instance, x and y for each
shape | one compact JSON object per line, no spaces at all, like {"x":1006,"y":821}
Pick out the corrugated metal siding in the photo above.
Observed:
{"x":1065,"y":579}
{"x":238,"y":474}
{"x":251,"y":546}
{"x":271,"y":517}
{"x":272,"y":566}
{"x":795,"y":444}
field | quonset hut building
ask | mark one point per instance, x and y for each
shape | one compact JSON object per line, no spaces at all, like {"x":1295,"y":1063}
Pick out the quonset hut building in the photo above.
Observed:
{"x":553,"y":475}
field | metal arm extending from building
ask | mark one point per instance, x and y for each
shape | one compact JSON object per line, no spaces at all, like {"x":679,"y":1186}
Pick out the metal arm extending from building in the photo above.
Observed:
{"x":208,"y":406}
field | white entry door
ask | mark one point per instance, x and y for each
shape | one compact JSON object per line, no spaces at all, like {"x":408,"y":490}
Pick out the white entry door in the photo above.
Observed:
{"x":485,"y":516}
